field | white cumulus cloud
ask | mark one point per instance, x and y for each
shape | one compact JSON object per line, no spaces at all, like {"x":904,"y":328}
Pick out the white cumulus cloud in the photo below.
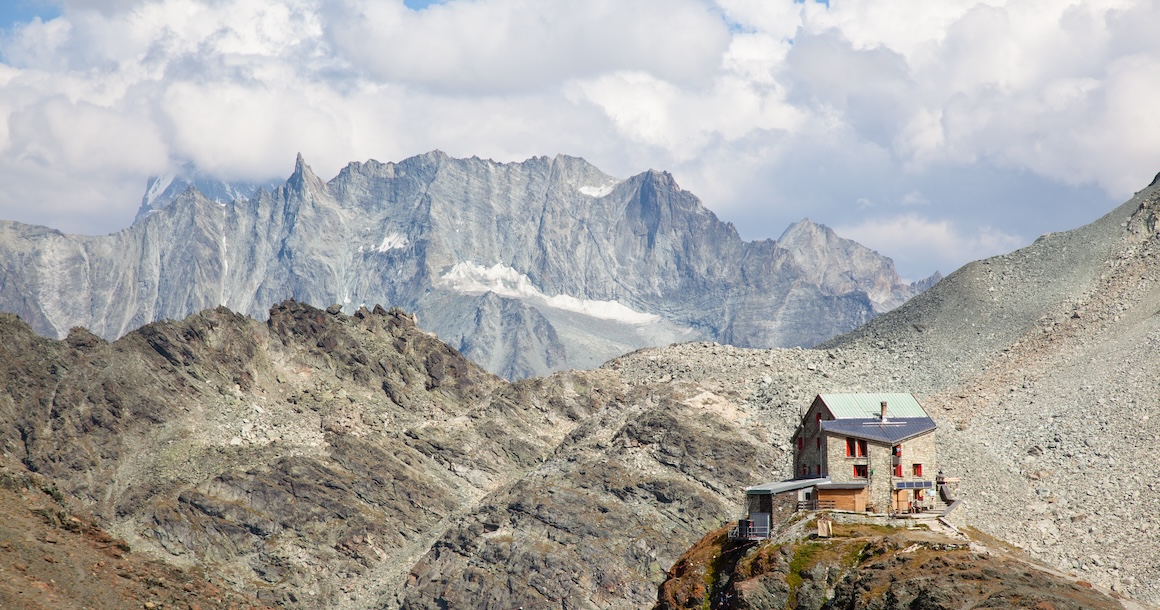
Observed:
{"x":767,"y":109}
{"x":912,"y":237}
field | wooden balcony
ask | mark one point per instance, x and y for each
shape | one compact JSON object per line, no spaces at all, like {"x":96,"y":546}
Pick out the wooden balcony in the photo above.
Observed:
{"x":816,"y":505}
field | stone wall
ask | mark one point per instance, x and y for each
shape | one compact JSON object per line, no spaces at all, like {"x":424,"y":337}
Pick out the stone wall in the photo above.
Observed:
{"x":880,"y":479}
{"x":919,"y":450}
{"x":840,"y":467}
{"x":810,"y":456}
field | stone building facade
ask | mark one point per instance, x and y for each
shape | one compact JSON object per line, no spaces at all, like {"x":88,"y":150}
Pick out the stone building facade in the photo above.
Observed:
{"x":876,"y":450}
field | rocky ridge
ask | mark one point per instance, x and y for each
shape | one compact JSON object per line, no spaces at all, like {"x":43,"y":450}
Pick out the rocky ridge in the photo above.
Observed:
{"x":525,"y":267}
{"x":319,"y":460}
{"x":867,"y":566}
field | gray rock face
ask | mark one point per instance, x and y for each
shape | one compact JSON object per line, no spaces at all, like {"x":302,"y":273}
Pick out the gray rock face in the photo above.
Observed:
{"x":526,"y":267}
{"x":161,"y":191}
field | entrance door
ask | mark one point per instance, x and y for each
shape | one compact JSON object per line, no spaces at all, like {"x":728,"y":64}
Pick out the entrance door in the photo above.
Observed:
{"x":760,"y":524}
{"x":900,"y":500}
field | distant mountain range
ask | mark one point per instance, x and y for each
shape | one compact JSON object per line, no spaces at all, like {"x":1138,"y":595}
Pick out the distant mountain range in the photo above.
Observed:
{"x":524,"y":267}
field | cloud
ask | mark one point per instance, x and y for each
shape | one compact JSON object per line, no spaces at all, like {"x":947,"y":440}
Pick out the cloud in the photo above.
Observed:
{"x":909,"y":237}
{"x":768,"y":109}
{"x":914,"y":198}
{"x":488,"y":46}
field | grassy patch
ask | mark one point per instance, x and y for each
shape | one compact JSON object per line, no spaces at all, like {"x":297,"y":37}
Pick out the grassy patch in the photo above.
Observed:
{"x":853,"y":554}
{"x":804,"y":558}
{"x":862,"y":530}
{"x":989,"y":540}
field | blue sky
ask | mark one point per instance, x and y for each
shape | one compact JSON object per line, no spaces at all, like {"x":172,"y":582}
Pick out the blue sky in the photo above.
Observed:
{"x":933,"y":132}
{"x":21,"y":11}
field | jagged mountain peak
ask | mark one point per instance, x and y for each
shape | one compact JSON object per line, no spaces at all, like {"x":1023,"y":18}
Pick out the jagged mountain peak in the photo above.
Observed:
{"x":805,"y":229}
{"x":842,"y":265}
{"x":162,"y":190}
{"x":608,"y":264}
{"x":304,"y":179}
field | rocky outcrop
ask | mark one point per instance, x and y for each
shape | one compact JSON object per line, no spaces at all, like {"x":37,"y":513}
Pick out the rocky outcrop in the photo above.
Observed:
{"x":290,"y":457}
{"x":55,"y":558}
{"x":526,"y":267}
{"x":866,"y":566}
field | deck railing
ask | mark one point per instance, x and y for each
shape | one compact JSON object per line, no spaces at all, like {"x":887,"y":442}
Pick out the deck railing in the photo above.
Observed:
{"x":816,"y":505}
{"x":746,"y":530}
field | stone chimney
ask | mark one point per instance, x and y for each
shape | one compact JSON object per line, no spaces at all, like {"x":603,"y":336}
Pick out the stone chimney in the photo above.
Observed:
{"x":883,"y":411}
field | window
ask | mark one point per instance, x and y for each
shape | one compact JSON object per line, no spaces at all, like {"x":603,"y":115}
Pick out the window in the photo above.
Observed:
{"x":861,"y":471}
{"x":819,"y":442}
{"x":862,"y":448}
{"x":855,"y":447}
{"x":801,"y":443}
{"x":803,"y":471}
{"x":819,"y":470}
{"x":917,"y":469}
{"x":898,"y":470}
{"x":850,"y":447}
{"x":898,"y":451}
{"x":819,"y":419}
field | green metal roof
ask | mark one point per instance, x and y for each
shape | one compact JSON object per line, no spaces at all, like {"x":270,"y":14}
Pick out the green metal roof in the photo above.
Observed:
{"x":784,"y":486}
{"x":861,"y":406}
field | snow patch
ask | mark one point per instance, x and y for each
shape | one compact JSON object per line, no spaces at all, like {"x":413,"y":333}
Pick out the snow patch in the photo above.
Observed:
{"x":392,"y":241}
{"x":470,"y":278}
{"x":155,"y":188}
{"x":597,"y":191}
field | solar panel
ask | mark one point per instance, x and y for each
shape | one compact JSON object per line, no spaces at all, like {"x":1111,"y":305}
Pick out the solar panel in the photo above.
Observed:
{"x":913,"y":485}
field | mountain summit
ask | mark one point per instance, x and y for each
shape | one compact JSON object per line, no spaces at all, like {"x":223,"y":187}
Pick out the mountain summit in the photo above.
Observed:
{"x":525,"y":267}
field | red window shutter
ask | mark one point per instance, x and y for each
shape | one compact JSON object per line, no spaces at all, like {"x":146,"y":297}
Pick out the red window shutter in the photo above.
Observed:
{"x":898,"y":470}
{"x":918,"y":470}
{"x":861,"y":448}
{"x":819,"y":442}
{"x":801,"y":443}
